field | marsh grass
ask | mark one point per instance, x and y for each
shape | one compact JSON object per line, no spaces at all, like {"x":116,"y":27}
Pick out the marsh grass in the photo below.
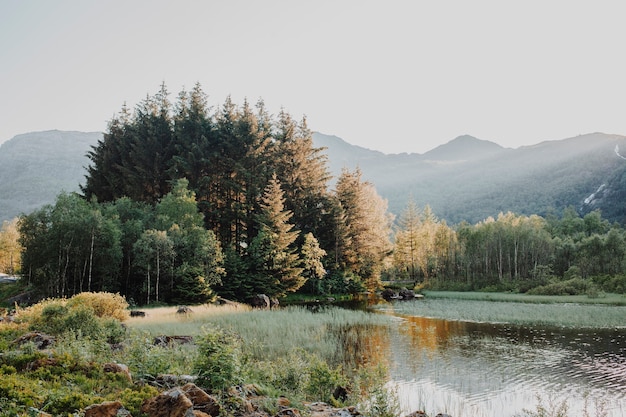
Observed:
{"x":268,"y":334}
{"x":605,"y":299}
{"x":553,"y":314}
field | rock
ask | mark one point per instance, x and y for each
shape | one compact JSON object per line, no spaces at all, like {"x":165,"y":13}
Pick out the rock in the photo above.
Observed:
{"x":320,"y":409}
{"x":406,"y":294}
{"x":170,"y":403}
{"x":185,"y":401}
{"x":184,"y":310}
{"x":42,"y":363}
{"x":41,"y":340}
{"x":201,"y":400}
{"x":107,"y":409}
{"x":137,"y":313}
{"x":118,"y":368}
{"x":166,"y":341}
{"x":260,"y":301}
{"x":388,"y":294}
{"x":288,"y":412}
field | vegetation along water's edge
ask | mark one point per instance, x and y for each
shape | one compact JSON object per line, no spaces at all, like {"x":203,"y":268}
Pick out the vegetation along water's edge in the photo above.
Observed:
{"x":519,"y":309}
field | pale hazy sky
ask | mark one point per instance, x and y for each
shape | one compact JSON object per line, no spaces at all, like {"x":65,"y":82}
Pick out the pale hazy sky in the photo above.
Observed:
{"x":395,"y":76}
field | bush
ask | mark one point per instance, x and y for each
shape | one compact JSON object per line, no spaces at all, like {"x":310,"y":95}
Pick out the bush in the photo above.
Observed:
{"x":219,"y":359}
{"x":104,"y":304}
{"x":92,"y":315}
{"x":574,"y":286}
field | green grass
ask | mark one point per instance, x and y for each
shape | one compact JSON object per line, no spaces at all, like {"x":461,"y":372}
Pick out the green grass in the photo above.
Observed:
{"x":604,"y":299}
{"x":269,"y":334}
{"x":291,"y":352}
{"x":496,"y":310}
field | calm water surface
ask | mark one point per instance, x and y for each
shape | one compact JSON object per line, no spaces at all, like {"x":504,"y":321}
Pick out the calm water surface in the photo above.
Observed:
{"x":480,"y":369}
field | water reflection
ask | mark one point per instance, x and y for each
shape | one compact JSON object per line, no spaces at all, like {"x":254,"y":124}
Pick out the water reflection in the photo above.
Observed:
{"x":476,"y":369}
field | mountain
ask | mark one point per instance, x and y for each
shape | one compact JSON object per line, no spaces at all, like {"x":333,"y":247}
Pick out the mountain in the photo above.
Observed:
{"x":36,"y":167}
{"x":466,"y":179}
{"x":463,"y":148}
{"x":469,"y":179}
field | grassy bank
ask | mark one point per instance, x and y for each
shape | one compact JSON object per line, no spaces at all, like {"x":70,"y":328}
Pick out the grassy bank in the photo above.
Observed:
{"x":268,"y":334}
{"x":291,"y":352}
{"x":509,"y":308}
{"x":605,"y":299}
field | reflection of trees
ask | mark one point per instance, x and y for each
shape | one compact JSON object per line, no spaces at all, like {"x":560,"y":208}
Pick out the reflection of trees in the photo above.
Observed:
{"x":362,"y":345}
{"x":432,"y":335}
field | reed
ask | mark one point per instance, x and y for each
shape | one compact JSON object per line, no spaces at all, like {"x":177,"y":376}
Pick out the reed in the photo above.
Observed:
{"x":553,"y":314}
{"x":604,"y":299}
{"x":268,"y":334}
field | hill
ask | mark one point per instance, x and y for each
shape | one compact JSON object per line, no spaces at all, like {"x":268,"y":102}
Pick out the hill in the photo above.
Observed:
{"x":466,"y":179}
{"x":469,"y":179}
{"x":36,"y":167}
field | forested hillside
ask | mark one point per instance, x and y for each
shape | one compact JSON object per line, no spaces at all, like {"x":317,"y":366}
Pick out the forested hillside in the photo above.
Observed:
{"x":470,"y":180}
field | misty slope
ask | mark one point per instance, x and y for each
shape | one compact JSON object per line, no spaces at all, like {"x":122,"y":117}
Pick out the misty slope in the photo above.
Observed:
{"x":469,"y":179}
{"x":36,"y":167}
{"x":466,"y":179}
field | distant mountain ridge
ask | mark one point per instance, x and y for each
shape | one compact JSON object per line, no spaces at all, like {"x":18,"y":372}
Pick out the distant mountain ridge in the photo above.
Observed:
{"x":466,"y":179}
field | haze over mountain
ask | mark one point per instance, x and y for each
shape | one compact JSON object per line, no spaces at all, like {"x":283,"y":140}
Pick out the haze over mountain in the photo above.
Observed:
{"x":466,"y":179}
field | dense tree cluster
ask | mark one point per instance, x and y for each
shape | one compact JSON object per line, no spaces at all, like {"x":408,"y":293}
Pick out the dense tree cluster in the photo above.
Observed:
{"x":180,"y":201}
{"x":511,"y":251}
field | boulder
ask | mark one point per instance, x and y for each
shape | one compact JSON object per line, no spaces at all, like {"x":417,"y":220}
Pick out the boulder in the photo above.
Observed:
{"x":388,"y":294}
{"x":201,"y":400}
{"x":137,"y":313}
{"x":41,"y":340}
{"x":118,"y":368}
{"x":165,"y":341}
{"x":170,"y":403}
{"x":107,"y":409}
{"x":321,"y":409}
{"x":185,"y":401}
{"x":260,"y":301}
{"x":406,"y":294}
{"x":288,"y":412}
{"x":184,"y":310}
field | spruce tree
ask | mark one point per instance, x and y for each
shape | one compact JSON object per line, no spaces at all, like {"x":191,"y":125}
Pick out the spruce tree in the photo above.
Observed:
{"x":276,"y":265}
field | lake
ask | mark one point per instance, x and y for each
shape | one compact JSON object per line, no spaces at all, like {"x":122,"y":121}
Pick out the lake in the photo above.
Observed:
{"x":484,"y":369}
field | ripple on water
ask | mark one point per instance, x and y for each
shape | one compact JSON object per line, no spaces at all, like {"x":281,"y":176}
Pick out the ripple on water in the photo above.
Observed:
{"x":498,"y":370}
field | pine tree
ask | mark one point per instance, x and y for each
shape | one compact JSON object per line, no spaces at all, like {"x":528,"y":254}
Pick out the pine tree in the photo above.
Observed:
{"x":275,"y":261}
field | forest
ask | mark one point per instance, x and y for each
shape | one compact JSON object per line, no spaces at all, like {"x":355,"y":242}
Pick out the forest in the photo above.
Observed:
{"x":183,"y":202}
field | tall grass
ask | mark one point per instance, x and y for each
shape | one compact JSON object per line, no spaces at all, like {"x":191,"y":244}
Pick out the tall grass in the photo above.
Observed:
{"x":332,"y":333}
{"x":564,"y":315}
{"x":605,"y":299}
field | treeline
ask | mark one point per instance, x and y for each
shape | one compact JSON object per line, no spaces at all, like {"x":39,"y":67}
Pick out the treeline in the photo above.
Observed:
{"x":564,"y":254}
{"x":181,"y":202}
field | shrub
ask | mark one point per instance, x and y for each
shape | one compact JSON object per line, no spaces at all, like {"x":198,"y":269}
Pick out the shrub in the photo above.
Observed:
{"x":323,"y":380}
{"x":218,"y":365}
{"x":92,"y":315}
{"x":104,"y":304}
{"x":574,"y":286}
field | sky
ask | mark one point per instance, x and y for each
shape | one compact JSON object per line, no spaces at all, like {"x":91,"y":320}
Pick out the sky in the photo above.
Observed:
{"x":394,"y":76}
